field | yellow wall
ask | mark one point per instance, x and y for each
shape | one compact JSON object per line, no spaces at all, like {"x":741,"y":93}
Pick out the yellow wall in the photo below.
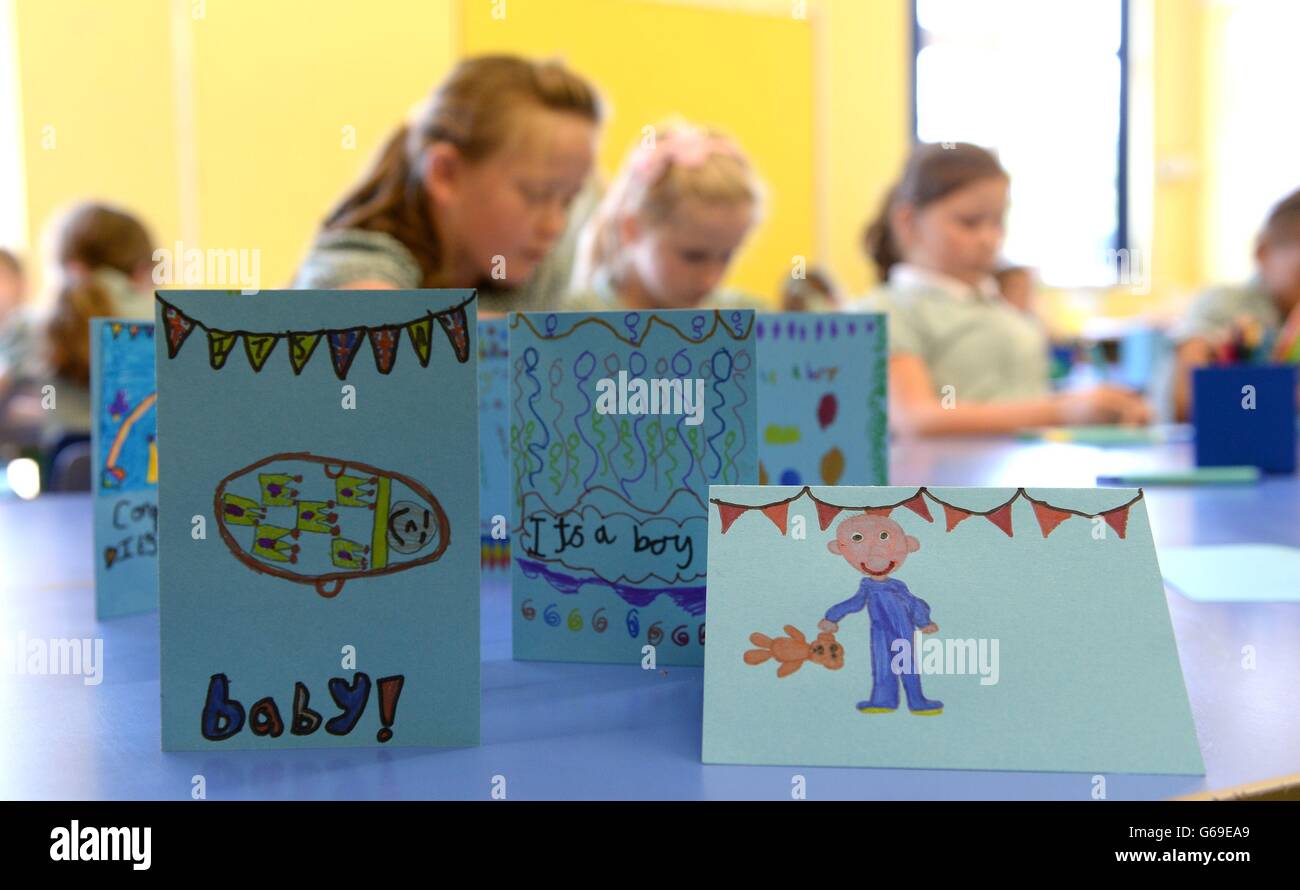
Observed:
{"x":274,"y":85}
{"x":1178,"y":141}
{"x":864,"y":64}
{"x":98,"y":116}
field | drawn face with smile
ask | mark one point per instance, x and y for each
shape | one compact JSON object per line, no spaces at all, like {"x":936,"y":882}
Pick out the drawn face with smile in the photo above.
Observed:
{"x":411,"y":527}
{"x":873,"y":545}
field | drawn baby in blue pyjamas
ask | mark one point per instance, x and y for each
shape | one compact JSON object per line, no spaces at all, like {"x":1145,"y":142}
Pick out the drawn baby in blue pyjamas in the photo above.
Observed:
{"x":876,"y":546}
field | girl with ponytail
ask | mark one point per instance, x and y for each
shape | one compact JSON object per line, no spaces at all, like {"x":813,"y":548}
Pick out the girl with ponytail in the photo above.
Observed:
{"x":963,"y":360}
{"x":474,"y":191}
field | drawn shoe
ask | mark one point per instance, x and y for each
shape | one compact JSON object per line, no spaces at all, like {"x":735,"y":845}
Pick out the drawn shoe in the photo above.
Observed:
{"x":928,"y":708}
{"x":872,"y":707}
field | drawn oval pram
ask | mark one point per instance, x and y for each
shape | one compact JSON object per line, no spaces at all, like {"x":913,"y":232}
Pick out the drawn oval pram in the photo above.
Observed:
{"x":321,"y":521}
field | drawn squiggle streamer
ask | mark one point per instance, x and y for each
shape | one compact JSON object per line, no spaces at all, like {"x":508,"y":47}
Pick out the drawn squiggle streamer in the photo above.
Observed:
{"x":555,"y":452}
{"x":555,"y":376}
{"x":728,"y":440}
{"x":681,"y":368}
{"x":611,"y":467}
{"x":654,"y":436}
{"x":671,"y":438}
{"x":571,"y":459}
{"x":717,"y":365}
{"x":741,"y":366}
{"x":516,"y":449}
{"x":634,"y":371}
{"x":583,"y":367}
{"x":536,"y":450}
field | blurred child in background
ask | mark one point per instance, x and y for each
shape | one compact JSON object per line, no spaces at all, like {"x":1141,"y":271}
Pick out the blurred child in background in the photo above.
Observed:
{"x":13,"y":287}
{"x":13,"y":291}
{"x":474,"y":192}
{"x":669,"y":226}
{"x":962,"y":359}
{"x":103,"y":266}
{"x":1261,"y":317}
{"x":815,"y":292}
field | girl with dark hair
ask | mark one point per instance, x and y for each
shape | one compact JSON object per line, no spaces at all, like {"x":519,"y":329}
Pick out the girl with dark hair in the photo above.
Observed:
{"x":962,"y":360}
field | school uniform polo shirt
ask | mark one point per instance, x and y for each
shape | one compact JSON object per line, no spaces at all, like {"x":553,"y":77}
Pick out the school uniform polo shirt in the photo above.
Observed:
{"x":968,"y":337}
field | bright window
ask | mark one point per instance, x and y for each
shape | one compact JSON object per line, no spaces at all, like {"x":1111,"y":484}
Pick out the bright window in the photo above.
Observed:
{"x":1041,"y":82}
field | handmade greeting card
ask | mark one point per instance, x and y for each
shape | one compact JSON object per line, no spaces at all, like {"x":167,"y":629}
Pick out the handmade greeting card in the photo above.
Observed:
{"x":620,"y":421}
{"x":821,"y":399}
{"x":319,"y":555}
{"x":955,"y":628}
{"x":494,"y":444}
{"x":124,"y":475}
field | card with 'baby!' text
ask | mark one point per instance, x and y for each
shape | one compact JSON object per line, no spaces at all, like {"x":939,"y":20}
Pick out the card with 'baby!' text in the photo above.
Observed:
{"x":318,"y":496}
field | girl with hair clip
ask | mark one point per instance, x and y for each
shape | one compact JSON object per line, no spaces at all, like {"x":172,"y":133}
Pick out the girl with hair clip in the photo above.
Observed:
{"x":962,"y":360}
{"x":669,"y":226}
{"x":475,"y":191}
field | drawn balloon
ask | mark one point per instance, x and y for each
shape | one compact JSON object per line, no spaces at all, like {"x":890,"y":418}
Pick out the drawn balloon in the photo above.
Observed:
{"x":827,"y":409}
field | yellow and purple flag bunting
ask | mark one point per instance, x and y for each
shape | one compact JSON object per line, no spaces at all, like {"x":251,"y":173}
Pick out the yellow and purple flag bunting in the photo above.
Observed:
{"x":343,"y":343}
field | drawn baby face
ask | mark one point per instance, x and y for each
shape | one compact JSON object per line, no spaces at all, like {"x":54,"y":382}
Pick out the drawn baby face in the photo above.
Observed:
{"x":874,"y":545}
{"x":411,"y":527}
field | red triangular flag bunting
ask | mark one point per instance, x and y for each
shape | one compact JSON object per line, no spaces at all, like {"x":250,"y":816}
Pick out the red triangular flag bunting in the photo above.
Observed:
{"x":1048,"y":517}
{"x":178,"y":328}
{"x":953,"y":516}
{"x":777,"y":513}
{"x":825,"y":513}
{"x":916,"y":503}
{"x":455,"y":323}
{"x":729,"y":514}
{"x":1118,"y":520}
{"x":1001,"y":517}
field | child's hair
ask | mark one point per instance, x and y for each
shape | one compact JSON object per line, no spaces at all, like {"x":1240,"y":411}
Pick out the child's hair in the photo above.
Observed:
{"x":814,"y":290}
{"x":678,"y":161}
{"x":933,"y":171}
{"x":89,"y":239}
{"x":100,"y":236}
{"x":10,"y":261}
{"x":471,"y":110}
{"x":1283,"y":222}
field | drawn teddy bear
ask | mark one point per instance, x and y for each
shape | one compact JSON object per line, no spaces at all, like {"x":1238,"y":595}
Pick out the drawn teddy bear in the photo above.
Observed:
{"x":793,"y":650}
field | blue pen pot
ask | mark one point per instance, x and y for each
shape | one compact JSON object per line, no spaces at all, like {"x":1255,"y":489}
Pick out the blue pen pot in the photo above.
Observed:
{"x":1245,"y":415}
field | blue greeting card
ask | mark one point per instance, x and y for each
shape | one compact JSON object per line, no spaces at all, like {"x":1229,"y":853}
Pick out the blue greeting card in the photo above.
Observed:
{"x":821,"y":399}
{"x":319,"y":556}
{"x":955,"y":628}
{"x":494,"y":444}
{"x":619,"y":424}
{"x":124,"y":475}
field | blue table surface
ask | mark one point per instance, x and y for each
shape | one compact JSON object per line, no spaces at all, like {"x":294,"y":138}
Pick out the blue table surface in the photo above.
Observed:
{"x":577,"y":731}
